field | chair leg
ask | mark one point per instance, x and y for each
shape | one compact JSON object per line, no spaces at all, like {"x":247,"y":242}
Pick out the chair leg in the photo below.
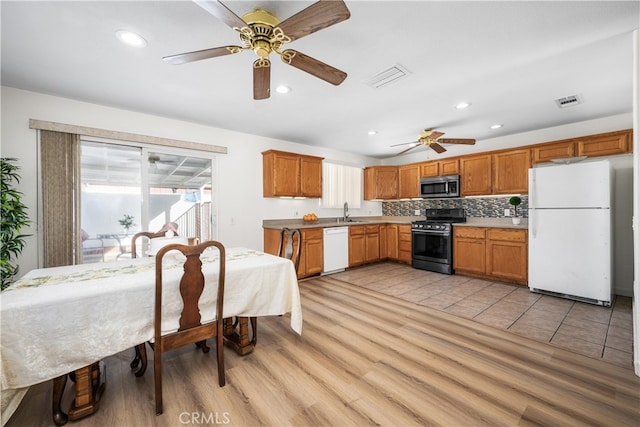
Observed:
{"x":157,"y":379}
{"x":220,"y":354}
{"x":136,"y":360}
{"x":141,"y":354}
{"x":203,"y":345}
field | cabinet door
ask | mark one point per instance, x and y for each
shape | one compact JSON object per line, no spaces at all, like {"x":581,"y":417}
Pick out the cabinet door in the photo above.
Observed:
{"x":285,"y":172}
{"x":429,"y":169}
{"x":605,"y":144}
{"x":381,"y":182}
{"x":310,"y":176}
{"x":469,"y":249}
{"x":475,"y":175}
{"x":507,"y":260}
{"x":313,"y":257}
{"x":372,"y":243}
{"x":409,"y":181}
{"x":554,"y":150}
{"x":391,"y":233}
{"x":510,"y":172}
{"x":449,"y":167}
{"x":404,"y":243}
{"x":357,"y":246}
{"x":507,"y":254}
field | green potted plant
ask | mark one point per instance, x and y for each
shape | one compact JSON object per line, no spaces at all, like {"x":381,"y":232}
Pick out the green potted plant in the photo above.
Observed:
{"x":127,"y":222}
{"x":14,"y":217}
{"x":515,"y":202}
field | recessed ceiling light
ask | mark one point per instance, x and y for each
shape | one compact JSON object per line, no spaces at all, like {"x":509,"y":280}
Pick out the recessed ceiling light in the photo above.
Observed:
{"x":496,"y":126}
{"x":283,"y":89}
{"x":372,"y":132}
{"x":462,"y":105}
{"x":130,"y":38}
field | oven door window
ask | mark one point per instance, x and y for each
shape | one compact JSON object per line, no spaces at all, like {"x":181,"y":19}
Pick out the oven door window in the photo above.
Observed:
{"x":431,"y":246}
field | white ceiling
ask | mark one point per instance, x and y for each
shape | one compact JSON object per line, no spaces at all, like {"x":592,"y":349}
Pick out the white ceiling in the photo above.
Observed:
{"x":509,"y":59}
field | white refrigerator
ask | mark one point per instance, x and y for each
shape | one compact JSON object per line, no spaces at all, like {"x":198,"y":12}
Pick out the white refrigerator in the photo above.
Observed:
{"x":570,"y":248}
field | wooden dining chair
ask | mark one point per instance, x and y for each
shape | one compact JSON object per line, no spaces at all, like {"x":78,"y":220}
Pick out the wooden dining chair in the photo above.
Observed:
{"x":141,"y":352}
{"x":290,"y":248}
{"x":191,"y":329}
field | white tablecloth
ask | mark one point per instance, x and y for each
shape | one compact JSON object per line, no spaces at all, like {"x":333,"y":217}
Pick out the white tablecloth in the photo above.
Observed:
{"x":56,"y":320}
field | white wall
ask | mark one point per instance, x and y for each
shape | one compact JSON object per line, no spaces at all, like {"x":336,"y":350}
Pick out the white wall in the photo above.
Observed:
{"x":241,"y":207}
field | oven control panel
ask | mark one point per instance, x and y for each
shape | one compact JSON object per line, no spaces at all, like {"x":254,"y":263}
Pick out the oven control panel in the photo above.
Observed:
{"x":431,"y":226}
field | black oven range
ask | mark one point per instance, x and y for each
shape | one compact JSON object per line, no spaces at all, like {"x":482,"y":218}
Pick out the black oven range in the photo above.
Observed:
{"x":432,"y":240}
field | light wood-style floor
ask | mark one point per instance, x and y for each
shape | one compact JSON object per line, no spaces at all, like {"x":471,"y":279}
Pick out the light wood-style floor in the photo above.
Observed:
{"x":365,"y":358}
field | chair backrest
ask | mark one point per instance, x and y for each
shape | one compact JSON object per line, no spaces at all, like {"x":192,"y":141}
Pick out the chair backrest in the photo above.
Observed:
{"x":191,"y":288}
{"x":146,"y":234}
{"x":290,"y":243}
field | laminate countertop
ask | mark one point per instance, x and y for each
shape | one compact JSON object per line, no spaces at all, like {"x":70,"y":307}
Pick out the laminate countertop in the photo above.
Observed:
{"x":338,"y":222}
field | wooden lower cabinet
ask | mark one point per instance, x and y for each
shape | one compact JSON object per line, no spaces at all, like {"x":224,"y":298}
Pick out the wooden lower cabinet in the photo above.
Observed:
{"x":469,"y":250}
{"x":493,"y":253}
{"x":404,"y":243}
{"x":372,"y":243}
{"x":311,"y":252}
{"x":357,"y":245}
{"x":389,"y":241}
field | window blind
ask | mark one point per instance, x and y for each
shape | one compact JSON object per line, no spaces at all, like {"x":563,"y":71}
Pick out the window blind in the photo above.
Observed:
{"x":341,"y":183}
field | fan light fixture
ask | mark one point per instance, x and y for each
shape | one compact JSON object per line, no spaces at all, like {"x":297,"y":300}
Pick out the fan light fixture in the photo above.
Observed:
{"x":131,"y":39}
{"x":283,"y":89}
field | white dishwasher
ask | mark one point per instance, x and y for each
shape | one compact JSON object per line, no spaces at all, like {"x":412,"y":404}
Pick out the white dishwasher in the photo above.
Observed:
{"x":336,"y":249}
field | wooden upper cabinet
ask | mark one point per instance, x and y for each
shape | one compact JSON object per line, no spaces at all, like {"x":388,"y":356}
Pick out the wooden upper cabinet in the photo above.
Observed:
{"x":510,"y":171}
{"x":440,"y":168}
{"x":605,"y":144}
{"x":449,"y":167}
{"x":310,"y":176}
{"x":291,"y":175}
{"x":381,"y":182}
{"x":409,"y":181}
{"x":555,"y":150}
{"x":475,"y":175}
{"x":429,"y":169}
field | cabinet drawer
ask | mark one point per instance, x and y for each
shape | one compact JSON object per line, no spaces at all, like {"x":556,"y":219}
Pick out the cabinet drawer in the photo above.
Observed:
{"x":311,"y":233}
{"x":356,"y":229}
{"x":469,"y":232}
{"x":507,"y":235}
{"x":373,"y":229}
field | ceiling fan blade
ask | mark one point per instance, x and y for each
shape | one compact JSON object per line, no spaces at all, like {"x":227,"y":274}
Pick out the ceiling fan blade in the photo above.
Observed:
{"x":410,"y":148}
{"x":314,"y":67}
{"x":221,"y":12}
{"x":437,"y":147}
{"x":261,"y":79}
{"x":467,"y":141}
{"x":198,"y":55}
{"x":435,"y":135}
{"x":405,"y":143}
{"x":316,"y":17}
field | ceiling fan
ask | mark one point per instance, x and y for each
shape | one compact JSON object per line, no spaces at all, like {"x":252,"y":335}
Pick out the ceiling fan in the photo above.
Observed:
{"x":431,"y":138}
{"x":263,"y":33}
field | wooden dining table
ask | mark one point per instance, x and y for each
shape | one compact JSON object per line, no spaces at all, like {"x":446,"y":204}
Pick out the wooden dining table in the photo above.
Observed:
{"x":62,"y":320}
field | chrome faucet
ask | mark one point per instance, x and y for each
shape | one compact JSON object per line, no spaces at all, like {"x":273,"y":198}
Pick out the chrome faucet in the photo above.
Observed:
{"x":345,"y":214}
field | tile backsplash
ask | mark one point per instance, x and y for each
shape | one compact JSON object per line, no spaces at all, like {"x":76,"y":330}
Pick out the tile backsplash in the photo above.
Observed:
{"x":479,"y":207}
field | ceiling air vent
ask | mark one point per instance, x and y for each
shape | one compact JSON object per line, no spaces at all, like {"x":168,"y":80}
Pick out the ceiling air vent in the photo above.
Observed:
{"x":568,"y":101}
{"x":387,"y":76}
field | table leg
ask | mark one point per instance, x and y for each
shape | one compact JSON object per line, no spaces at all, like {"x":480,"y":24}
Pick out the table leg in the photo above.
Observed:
{"x":90,"y":384}
{"x":238,"y":338}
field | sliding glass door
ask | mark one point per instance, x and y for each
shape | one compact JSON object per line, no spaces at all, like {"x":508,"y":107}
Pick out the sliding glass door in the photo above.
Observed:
{"x":126,"y":189}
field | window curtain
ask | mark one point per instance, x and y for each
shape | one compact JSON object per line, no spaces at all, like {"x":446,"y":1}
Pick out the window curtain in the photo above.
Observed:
{"x":60,"y":178}
{"x":341,"y":183}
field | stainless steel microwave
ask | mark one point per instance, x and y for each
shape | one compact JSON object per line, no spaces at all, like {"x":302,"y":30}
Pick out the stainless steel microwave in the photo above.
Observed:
{"x":440,"y":187}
